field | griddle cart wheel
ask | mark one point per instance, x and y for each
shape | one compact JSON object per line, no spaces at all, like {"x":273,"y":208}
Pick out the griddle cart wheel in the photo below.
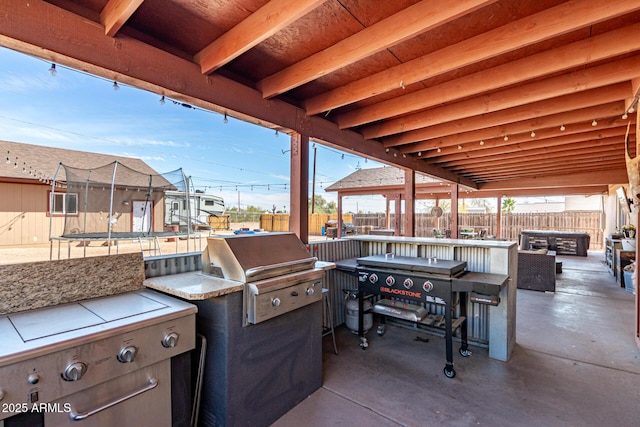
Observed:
{"x":449,"y":372}
{"x":380,"y":331}
{"x":363,"y":343}
{"x":465,"y":352}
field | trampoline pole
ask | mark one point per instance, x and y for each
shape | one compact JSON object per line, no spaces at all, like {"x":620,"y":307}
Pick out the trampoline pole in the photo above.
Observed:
{"x":51,"y":200}
{"x":86,"y":200}
{"x":113,"y":180}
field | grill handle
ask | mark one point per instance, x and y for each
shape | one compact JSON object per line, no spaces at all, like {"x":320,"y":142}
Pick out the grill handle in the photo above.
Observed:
{"x":302,"y":264}
{"x":153,"y":383}
{"x":389,"y":255}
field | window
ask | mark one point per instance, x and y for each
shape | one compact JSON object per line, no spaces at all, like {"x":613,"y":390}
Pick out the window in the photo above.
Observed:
{"x":64,"y":204}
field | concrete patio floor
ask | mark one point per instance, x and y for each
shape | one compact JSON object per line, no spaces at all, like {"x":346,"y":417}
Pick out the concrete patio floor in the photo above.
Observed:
{"x":575,"y":363}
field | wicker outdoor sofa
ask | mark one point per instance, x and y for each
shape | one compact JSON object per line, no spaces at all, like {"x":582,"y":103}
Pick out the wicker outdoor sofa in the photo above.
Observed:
{"x":537,"y":270}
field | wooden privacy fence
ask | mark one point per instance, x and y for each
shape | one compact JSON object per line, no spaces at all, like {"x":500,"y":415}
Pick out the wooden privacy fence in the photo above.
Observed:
{"x":584,"y":221}
{"x":280,"y":222}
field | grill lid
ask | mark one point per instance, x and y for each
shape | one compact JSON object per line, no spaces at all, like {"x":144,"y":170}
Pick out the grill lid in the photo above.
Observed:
{"x":414,"y":264}
{"x":253,"y":257}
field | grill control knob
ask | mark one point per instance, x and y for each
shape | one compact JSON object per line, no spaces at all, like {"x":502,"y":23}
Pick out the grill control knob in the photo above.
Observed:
{"x":427,"y":286}
{"x":33,"y":379}
{"x":275,"y":302}
{"x":74,"y":371}
{"x":373,"y":278}
{"x":310,"y":291}
{"x":127,"y":354}
{"x":390,"y":280}
{"x":408,"y":283}
{"x":170,"y":340}
{"x":1,"y":394}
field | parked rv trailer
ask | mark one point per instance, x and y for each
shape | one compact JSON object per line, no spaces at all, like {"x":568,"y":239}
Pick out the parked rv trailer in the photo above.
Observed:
{"x":200,"y":207}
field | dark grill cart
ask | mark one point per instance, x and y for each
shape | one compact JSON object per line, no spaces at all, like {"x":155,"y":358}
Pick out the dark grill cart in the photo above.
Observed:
{"x":407,"y":285}
{"x":563,"y":242}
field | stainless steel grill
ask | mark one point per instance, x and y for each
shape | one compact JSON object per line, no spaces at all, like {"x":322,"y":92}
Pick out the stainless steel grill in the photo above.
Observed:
{"x":278,"y":273}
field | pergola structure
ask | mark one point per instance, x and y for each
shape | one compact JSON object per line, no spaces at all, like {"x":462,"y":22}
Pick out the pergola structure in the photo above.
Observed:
{"x":488,"y":95}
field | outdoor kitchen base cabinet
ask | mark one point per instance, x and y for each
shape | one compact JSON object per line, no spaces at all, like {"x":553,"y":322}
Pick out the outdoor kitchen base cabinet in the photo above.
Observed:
{"x":255,"y":374}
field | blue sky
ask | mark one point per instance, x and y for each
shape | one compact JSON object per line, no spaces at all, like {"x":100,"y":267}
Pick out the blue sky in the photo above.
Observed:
{"x":236,"y":160}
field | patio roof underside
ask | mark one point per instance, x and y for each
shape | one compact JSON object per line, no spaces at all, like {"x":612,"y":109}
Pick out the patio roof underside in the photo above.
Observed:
{"x":497,"y":96}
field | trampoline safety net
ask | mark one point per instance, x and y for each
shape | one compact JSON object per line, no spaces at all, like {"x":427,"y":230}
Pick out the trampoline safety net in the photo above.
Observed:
{"x":113,"y":199}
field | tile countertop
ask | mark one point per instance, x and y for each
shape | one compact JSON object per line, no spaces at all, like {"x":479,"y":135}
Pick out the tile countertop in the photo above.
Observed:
{"x":195,"y":285}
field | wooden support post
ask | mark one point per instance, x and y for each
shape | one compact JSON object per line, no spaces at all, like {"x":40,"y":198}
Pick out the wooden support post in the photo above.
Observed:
{"x":299,"y":193}
{"x":397,"y":219}
{"x":499,"y":218}
{"x":409,"y":203}
{"x":454,"y":211}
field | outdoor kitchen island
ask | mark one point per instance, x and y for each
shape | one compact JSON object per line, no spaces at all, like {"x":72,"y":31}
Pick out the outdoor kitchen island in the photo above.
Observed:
{"x":260,"y":318}
{"x":490,"y":325}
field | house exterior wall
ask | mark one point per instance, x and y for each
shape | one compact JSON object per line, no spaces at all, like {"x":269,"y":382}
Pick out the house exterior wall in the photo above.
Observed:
{"x":24,"y":219}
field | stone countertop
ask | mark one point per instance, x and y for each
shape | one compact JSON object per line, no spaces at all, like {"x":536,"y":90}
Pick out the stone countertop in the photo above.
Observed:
{"x":195,"y":285}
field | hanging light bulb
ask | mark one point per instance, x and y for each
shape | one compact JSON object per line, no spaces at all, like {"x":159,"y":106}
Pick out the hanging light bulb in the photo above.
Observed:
{"x":404,"y":156}
{"x":439,"y":149}
{"x":386,"y":150}
{"x":562,"y":128}
{"x":276,"y":133}
{"x":53,"y":70}
{"x":162,"y":100}
{"x":481,"y":142}
{"x":459,"y":147}
{"x":594,"y":122}
{"x":342,"y":157}
{"x":115,"y":85}
{"x":225,"y":120}
{"x":533,"y":134}
{"x":8,"y":159}
{"x":624,"y":116}
{"x":632,"y":110}
{"x":419,"y":153}
{"x":506,"y":138}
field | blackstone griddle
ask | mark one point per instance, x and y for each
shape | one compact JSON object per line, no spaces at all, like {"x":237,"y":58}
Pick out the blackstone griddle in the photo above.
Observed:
{"x":410,"y":285}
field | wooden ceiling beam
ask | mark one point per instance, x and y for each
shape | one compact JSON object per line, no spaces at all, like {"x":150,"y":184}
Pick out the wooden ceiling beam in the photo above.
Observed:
{"x":549,"y":23}
{"x":561,"y":104}
{"x":553,"y":171}
{"x":82,"y":44}
{"x":522,"y":143}
{"x":539,"y":192}
{"x":493,"y":136}
{"x":116,"y":13}
{"x":568,"y":159}
{"x":257,"y":27}
{"x":608,"y":45}
{"x":578,"y":81}
{"x":409,"y":22}
{"x":546,"y":180}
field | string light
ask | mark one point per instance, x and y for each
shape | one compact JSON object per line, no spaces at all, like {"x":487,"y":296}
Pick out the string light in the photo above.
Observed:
{"x":419,"y":153}
{"x":276,"y":133}
{"x":8,"y":159}
{"x":624,"y":116}
{"x":481,"y":142}
{"x":115,"y":85}
{"x":533,"y":134}
{"x":562,"y":128}
{"x":594,"y":122}
{"x":225,"y":120}
{"x":459,"y":147}
{"x":162,"y":100}
{"x":53,"y":70}
{"x":439,"y":150}
{"x":506,"y":138}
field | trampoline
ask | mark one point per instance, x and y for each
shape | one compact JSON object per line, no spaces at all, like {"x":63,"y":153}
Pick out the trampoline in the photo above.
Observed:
{"x":114,"y":203}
